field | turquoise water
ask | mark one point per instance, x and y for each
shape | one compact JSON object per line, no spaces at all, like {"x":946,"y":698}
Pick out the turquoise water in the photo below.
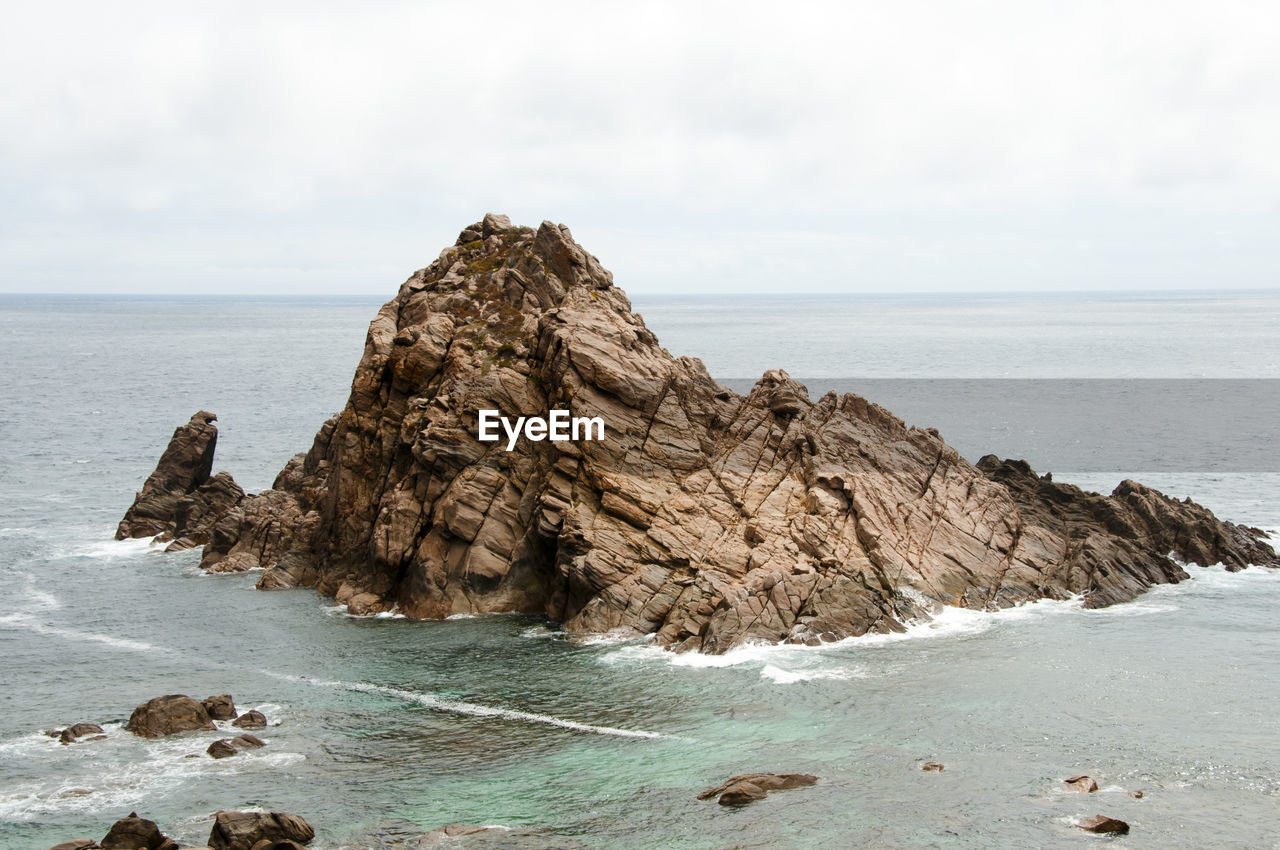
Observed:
{"x":384,"y":728}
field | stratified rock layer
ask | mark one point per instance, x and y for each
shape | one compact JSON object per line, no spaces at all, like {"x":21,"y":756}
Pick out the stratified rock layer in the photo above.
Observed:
{"x":703,"y":517}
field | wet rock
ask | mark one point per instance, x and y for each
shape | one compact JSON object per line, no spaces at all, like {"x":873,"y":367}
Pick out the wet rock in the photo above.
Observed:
{"x":703,"y":517}
{"x":227,"y":747}
{"x":252,"y":719}
{"x":1104,"y":825}
{"x":77,"y":844}
{"x":183,"y":467}
{"x":282,"y":844}
{"x":135,"y":833}
{"x":222,"y":749}
{"x":748,"y":787}
{"x":1137,"y":795}
{"x":169,"y":715}
{"x":220,"y":707}
{"x":79,"y":730}
{"x":242,"y":830}
{"x":933,"y":766}
{"x":195,"y":513}
{"x":1081,"y":783}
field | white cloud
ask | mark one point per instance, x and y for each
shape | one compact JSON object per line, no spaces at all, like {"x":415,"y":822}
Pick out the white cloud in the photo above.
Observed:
{"x":292,"y":146}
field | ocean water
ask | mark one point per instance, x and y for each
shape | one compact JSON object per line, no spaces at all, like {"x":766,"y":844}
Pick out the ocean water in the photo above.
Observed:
{"x":383,"y":728}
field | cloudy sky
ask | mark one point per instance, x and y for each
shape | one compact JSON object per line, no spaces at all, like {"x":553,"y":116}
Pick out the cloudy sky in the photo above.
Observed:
{"x":694,"y":147}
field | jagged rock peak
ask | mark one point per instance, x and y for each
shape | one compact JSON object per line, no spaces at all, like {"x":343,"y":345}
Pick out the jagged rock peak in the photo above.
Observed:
{"x":701,"y":517}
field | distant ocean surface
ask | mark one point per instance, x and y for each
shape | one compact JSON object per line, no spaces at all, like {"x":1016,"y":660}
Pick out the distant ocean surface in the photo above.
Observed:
{"x":384,"y":728}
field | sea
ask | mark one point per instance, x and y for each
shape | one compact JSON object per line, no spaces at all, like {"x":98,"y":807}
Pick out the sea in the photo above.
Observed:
{"x":382,"y":728}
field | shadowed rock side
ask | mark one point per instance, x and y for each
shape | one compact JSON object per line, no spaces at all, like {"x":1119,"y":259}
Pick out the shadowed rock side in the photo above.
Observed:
{"x":704,"y":517}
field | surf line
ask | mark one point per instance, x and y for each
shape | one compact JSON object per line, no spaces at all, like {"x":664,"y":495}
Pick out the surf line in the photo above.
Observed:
{"x":470,"y":708}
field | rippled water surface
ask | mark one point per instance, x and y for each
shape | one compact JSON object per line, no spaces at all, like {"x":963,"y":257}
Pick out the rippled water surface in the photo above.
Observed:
{"x":382,"y":728}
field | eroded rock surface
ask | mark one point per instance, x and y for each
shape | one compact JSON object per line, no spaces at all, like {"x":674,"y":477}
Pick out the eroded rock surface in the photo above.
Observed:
{"x":703,"y":517}
{"x":244,"y":830}
{"x":179,"y":500}
{"x":169,"y":715}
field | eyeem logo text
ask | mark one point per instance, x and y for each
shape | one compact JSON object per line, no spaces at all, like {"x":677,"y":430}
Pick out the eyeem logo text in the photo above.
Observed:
{"x":558,"y":427}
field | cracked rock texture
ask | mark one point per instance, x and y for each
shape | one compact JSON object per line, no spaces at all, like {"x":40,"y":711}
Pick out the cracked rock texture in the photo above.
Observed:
{"x":704,"y":517}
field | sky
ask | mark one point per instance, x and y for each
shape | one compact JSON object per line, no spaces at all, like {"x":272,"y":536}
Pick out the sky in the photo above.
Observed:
{"x":333,"y":148}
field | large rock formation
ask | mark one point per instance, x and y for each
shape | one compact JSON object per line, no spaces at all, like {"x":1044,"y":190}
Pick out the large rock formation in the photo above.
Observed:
{"x":702,"y":517}
{"x":179,"y":500}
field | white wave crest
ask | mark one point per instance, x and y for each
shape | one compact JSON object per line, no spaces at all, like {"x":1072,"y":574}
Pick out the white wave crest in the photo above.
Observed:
{"x":453,"y":706}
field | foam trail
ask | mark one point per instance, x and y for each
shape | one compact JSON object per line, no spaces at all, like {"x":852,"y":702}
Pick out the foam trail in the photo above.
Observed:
{"x":469,"y":708}
{"x":25,"y":621}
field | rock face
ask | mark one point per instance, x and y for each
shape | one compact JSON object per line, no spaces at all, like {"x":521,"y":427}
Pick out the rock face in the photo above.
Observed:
{"x":169,"y":715}
{"x":702,"y":517}
{"x":252,"y":719}
{"x":179,"y":500}
{"x":79,"y":730}
{"x":243,"y":830}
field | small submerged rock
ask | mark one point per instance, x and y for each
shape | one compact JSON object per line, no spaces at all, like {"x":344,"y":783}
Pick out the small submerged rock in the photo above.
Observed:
{"x":933,"y":767}
{"x":1104,"y":825}
{"x":227,"y":747}
{"x":1081,"y":783}
{"x":749,"y":787}
{"x":79,"y":730}
{"x":77,"y":844}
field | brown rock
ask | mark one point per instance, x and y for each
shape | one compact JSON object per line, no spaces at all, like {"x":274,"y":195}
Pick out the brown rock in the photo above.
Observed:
{"x":242,"y":830}
{"x":703,"y":517}
{"x":169,"y":715}
{"x":184,"y":466}
{"x":76,"y":844}
{"x":247,"y":742}
{"x":79,"y":730}
{"x":219,"y":707}
{"x":1081,"y":783}
{"x":1137,"y":795}
{"x":135,"y":833}
{"x":933,"y":766}
{"x":282,"y":844}
{"x":747,"y":787}
{"x":222,"y":749}
{"x":1103,"y":824}
{"x":252,"y":719}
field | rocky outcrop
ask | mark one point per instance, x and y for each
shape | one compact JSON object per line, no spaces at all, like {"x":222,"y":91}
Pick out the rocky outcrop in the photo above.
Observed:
{"x":169,"y":715}
{"x":179,"y":501}
{"x":702,"y":517}
{"x":244,"y":830}
{"x":749,"y":787}
{"x":135,"y":833}
{"x":251,"y":719}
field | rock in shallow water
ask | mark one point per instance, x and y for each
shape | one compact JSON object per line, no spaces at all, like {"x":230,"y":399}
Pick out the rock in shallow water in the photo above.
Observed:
{"x":252,"y":719}
{"x":1081,"y":783}
{"x":79,"y":730}
{"x":243,"y":830}
{"x":135,"y":833}
{"x":703,"y":517}
{"x":169,"y":715}
{"x":749,"y":787}
{"x":1104,"y":825}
